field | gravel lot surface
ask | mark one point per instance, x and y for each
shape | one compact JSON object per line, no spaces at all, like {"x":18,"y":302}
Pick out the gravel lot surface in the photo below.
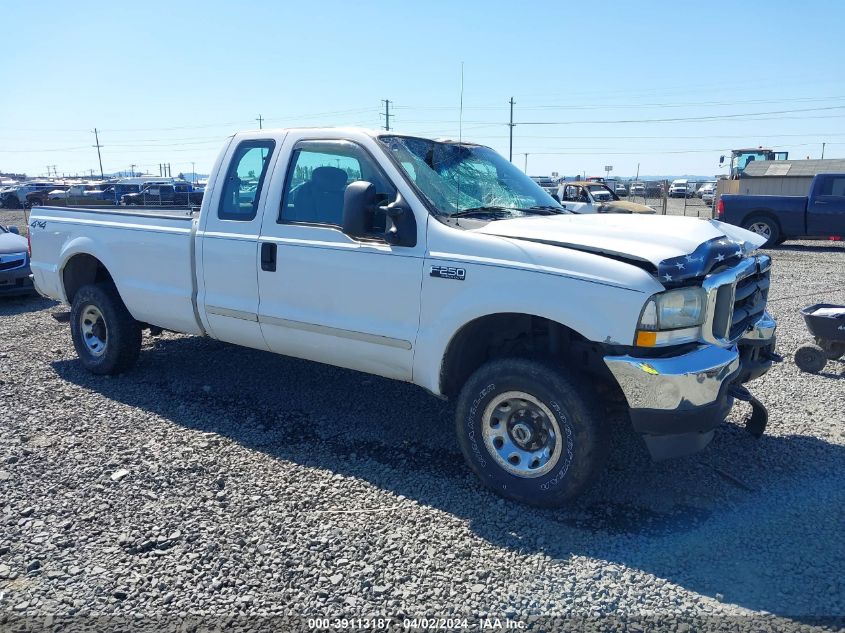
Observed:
{"x":219,"y":481}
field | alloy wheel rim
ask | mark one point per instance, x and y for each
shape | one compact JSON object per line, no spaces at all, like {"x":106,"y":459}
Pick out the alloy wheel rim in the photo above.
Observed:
{"x":95,"y":332}
{"x":522,"y":434}
{"x":761,"y":228}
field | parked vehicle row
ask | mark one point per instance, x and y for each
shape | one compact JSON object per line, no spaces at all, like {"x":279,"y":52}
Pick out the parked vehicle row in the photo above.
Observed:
{"x":136,"y":190}
{"x":441,"y":264}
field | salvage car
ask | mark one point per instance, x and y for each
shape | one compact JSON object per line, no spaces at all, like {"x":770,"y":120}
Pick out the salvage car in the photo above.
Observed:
{"x":779,"y":218}
{"x":438,"y":263}
{"x":15,"y":277}
{"x":592,"y":197}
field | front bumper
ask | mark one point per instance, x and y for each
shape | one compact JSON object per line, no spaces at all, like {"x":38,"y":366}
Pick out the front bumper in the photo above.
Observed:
{"x":15,"y":282}
{"x":677,"y":402}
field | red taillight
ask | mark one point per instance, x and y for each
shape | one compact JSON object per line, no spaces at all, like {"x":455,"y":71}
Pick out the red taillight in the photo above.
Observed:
{"x":835,"y":238}
{"x":720,"y":207}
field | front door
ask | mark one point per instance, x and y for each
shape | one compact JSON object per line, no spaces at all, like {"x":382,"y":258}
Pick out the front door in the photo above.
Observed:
{"x":575,"y":198}
{"x":324,"y":295}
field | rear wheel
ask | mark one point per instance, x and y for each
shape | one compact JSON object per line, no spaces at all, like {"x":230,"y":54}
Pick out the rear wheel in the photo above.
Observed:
{"x":764,"y":227}
{"x":810,"y":358}
{"x":106,"y":337}
{"x":530,"y":431}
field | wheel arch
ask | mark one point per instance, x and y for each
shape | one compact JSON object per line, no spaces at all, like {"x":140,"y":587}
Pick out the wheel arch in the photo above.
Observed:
{"x":497,"y":335}
{"x":80,"y":269}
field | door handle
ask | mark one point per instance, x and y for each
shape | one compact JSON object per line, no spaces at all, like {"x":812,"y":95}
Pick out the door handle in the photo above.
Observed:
{"x":268,"y":256}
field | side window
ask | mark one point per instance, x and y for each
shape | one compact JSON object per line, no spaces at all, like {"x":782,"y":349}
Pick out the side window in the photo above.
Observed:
{"x":241,"y":191}
{"x":833,"y":187}
{"x":317,"y":177}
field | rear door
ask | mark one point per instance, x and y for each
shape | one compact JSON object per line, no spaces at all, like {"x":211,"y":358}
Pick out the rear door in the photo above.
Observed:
{"x":327,"y":296}
{"x":826,"y":206}
{"x":228,"y":241}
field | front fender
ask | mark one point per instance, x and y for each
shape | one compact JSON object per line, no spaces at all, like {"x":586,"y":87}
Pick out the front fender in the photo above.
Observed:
{"x":595,"y":310}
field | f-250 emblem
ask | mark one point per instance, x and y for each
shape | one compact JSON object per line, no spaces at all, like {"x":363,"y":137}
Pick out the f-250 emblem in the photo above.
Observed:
{"x":448,"y":272}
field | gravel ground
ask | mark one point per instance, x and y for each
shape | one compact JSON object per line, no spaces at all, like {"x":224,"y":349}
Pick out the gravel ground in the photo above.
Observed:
{"x":215,"y":481}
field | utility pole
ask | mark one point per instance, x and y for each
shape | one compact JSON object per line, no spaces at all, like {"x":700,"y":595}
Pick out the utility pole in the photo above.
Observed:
{"x":260,"y":120}
{"x":56,"y":174}
{"x":169,"y":171}
{"x":132,"y":167}
{"x":823,"y":144}
{"x":99,"y":156}
{"x":510,"y":125}
{"x":525,"y":169}
{"x":193,"y":173}
{"x":386,"y":103}
{"x":48,"y":171}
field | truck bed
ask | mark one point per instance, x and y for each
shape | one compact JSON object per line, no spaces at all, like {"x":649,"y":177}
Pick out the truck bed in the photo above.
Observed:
{"x":149,"y":252}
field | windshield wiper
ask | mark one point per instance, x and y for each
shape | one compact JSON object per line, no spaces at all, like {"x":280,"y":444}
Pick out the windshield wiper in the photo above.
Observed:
{"x":498,"y":210}
{"x":481,"y":211}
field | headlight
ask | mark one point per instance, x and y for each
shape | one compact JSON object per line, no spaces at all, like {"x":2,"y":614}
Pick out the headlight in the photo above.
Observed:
{"x":671,"y":317}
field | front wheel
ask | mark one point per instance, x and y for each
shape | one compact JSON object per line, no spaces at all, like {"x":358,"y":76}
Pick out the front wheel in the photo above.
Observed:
{"x":530,"y":432}
{"x":106,"y":337}
{"x":810,"y":358}
{"x":764,"y":227}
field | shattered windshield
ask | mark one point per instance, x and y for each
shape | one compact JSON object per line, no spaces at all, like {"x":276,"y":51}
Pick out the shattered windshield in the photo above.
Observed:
{"x":463,"y":180}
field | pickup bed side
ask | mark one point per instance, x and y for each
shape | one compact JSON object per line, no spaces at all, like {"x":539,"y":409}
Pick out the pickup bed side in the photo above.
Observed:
{"x":148,"y":254}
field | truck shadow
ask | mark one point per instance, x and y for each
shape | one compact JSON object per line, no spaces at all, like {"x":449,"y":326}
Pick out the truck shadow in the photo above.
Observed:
{"x":829,"y":247}
{"x":23,"y":304}
{"x":705,"y":523}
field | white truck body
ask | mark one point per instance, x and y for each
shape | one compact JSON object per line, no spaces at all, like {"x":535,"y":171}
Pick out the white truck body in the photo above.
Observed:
{"x":400,"y":310}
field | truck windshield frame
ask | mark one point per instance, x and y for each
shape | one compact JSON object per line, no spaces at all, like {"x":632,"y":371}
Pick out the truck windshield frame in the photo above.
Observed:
{"x":455,"y":178}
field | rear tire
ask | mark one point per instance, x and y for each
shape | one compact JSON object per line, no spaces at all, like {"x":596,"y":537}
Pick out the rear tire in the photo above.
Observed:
{"x":764,"y":227}
{"x":810,"y":358}
{"x":106,"y":337}
{"x":530,"y":431}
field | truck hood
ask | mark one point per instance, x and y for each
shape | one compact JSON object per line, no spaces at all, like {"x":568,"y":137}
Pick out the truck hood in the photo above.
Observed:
{"x":11,"y":243}
{"x":664,"y":242}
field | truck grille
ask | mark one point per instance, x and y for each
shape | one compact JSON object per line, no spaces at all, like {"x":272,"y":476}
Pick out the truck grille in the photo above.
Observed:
{"x":736,"y":299}
{"x":10,"y":264}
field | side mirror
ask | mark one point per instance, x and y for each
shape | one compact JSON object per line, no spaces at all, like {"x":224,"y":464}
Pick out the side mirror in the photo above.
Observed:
{"x":721,"y":160}
{"x":360,"y":206}
{"x":15,"y":230}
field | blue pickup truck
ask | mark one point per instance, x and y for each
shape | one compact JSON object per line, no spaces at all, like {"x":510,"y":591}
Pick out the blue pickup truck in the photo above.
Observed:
{"x":779,"y":218}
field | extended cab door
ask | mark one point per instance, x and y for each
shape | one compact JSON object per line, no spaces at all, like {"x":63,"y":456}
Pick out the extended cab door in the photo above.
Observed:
{"x":228,"y":242}
{"x":327,"y":296}
{"x":826,"y":206}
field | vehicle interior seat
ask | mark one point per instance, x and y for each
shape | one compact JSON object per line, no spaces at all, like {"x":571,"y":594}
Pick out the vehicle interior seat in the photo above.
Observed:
{"x":321,"y":198}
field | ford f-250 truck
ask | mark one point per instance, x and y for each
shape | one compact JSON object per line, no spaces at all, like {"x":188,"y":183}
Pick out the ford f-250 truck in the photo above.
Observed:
{"x":779,"y":218}
{"x":442,"y":264}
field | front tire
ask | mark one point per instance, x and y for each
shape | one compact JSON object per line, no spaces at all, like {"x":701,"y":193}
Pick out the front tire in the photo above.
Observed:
{"x":106,"y":337}
{"x":764,"y":227}
{"x":530,"y":432}
{"x":810,"y":358}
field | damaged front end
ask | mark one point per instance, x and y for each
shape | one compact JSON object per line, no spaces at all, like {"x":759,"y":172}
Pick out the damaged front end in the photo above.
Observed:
{"x":677,"y":400}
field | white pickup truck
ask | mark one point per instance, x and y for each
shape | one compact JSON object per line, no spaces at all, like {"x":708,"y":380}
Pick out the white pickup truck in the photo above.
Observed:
{"x":441,"y":264}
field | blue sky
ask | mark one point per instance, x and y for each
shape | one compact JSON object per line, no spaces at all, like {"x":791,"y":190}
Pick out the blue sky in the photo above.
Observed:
{"x":166,"y":82}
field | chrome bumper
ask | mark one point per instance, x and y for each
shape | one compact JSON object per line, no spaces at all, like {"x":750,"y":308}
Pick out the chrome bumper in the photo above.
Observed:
{"x":676,"y":402}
